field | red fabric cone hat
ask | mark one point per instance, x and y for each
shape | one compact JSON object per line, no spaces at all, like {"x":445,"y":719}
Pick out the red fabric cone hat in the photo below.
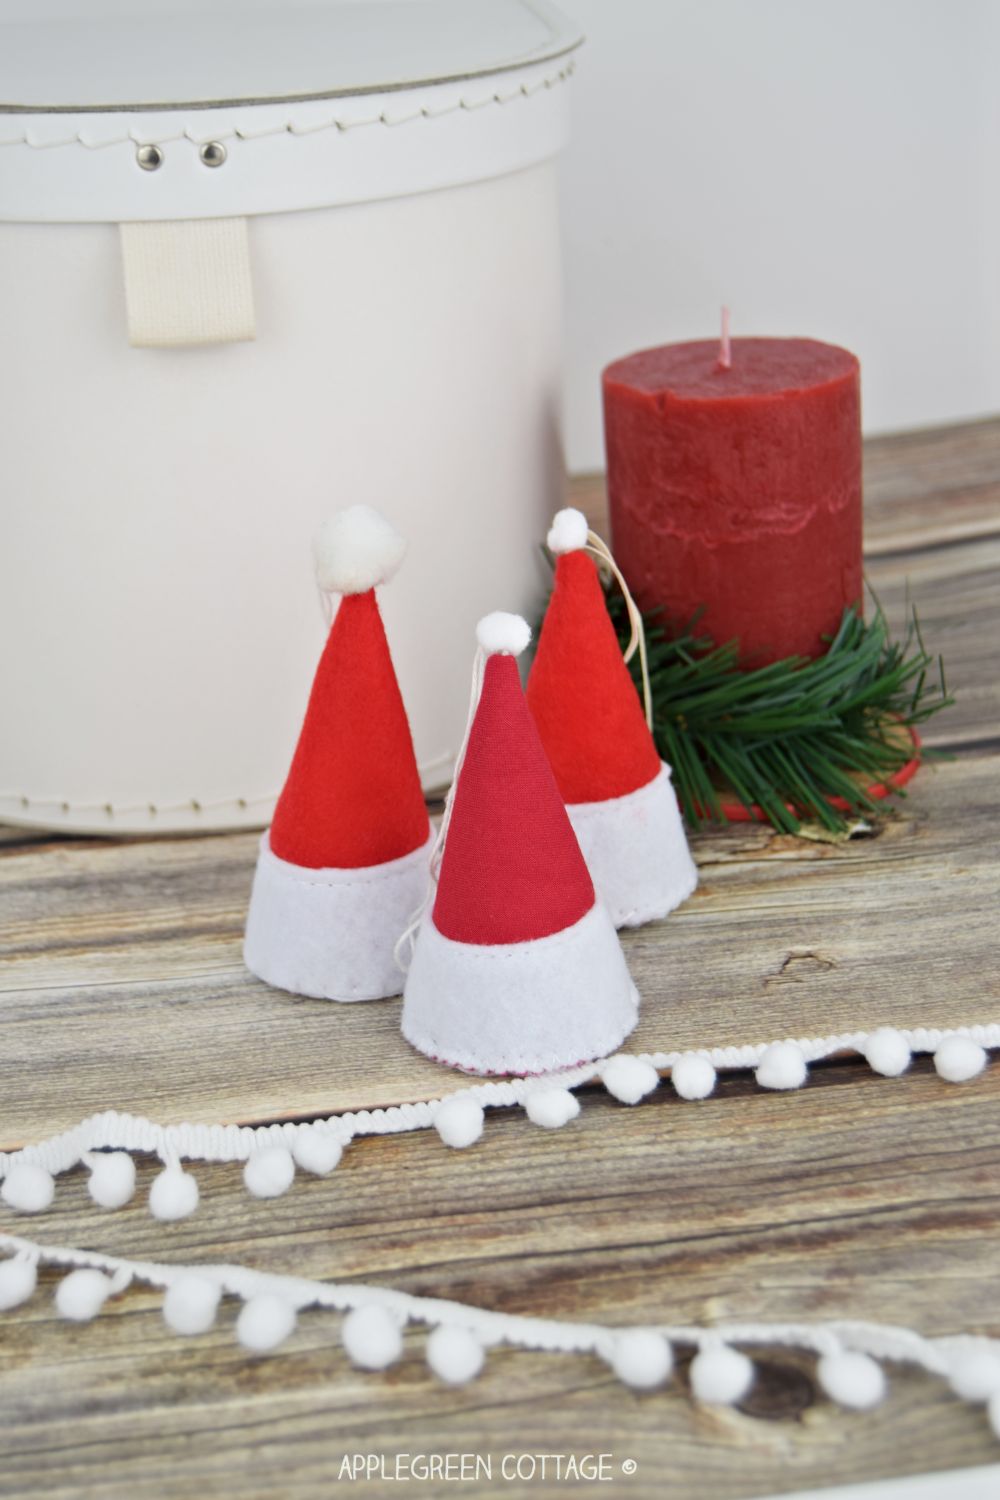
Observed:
{"x":353,"y":793}
{"x":346,"y":860}
{"x":517,"y":968}
{"x":580,"y":692}
{"x":512,"y":868}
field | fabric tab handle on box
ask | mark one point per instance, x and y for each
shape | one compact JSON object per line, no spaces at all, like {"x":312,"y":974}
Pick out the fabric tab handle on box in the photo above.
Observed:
{"x":187,"y":281}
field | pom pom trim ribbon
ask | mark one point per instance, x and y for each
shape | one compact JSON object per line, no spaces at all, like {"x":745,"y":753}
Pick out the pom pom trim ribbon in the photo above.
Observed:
{"x":282,"y":1298}
{"x":960,"y":1053}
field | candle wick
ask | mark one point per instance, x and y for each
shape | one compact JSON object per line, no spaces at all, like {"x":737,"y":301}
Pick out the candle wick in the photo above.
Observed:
{"x":725,"y":343}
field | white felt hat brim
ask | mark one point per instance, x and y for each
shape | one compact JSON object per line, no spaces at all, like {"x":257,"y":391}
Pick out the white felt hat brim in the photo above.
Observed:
{"x":521,"y":1007}
{"x":330,"y":934}
{"x":637,"y":851}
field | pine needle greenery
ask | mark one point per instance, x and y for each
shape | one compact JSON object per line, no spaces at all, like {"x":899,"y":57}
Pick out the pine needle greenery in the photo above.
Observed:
{"x":786,"y":738}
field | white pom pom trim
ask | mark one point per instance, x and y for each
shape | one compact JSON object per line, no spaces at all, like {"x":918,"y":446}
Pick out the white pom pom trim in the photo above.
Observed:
{"x":693,"y":1076}
{"x":173,"y":1195}
{"x":455,"y":1355}
{"x":372,"y":1338}
{"x":500,"y":633}
{"x":568,"y":532}
{"x":355,"y":550}
{"x":104,"y":1141}
{"x":887,"y":1052}
{"x":112,"y":1178}
{"x":190,"y":1304}
{"x":629,"y":1079}
{"x":551,"y":1107}
{"x":265,"y":1322}
{"x":783,"y":1066}
{"x":316,"y":1150}
{"x":849,"y":1354}
{"x":993,"y":1412}
{"x":851,"y":1379}
{"x":81,"y":1295}
{"x":720,"y":1376}
{"x":18,"y":1279}
{"x":28,"y":1188}
{"x":269,"y":1173}
{"x":459,"y":1121}
{"x":975,"y":1375}
{"x":642,"y":1359}
{"x":959,"y":1058}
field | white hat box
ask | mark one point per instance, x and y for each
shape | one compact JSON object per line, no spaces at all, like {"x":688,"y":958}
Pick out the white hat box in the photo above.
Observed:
{"x":259,"y":261}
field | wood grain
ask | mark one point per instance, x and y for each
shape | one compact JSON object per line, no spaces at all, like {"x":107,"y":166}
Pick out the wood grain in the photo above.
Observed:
{"x":120,"y":965}
{"x":856,"y":1195}
{"x":121,"y":983}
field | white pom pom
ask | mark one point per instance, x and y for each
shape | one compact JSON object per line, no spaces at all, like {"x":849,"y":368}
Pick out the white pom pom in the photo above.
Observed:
{"x":173,"y":1195}
{"x":993,"y":1412}
{"x":692,"y":1076}
{"x":783,"y":1066}
{"x":355,"y":550}
{"x":629,"y":1079}
{"x":459,"y":1121}
{"x":372,"y":1337}
{"x":455,"y":1355}
{"x":190,"y":1304}
{"x":568,"y":532}
{"x":112,"y":1178}
{"x":28,"y":1188}
{"x":81,"y":1295}
{"x":270,"y":1172}
{"x":551,"y":1107}
{"x":975,"y":1375}
{"x":887,"y":1052}
{"x":959,"y":1058}
{"x":642,"y":1359}
{"x":18,"y":1279}
{"x":265,"y":1322}
{"x":851,"y":1379}
{"x":720,"y":1376}
{"x":500,"y":632}
{"x":316,"y":1151}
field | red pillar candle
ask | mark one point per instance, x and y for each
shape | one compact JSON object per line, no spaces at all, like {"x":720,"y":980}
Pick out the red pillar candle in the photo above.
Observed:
{"x":737,"y":487}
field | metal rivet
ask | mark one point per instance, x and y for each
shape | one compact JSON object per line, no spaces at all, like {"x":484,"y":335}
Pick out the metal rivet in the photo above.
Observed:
{"x":149,"y":158}
{"x":212,"y":154}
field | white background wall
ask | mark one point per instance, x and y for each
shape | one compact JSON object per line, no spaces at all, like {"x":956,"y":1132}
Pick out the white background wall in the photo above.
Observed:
{"x":829,"y":168}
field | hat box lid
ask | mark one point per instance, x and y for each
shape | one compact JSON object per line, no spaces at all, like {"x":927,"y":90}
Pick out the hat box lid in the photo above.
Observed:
{"x":313,"y":103}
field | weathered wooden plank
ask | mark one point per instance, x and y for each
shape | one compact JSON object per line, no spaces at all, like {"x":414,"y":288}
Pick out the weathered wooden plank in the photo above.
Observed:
{"x":857,"y":1197}
{"x":120,"y":969}
{"x":933,"y":486}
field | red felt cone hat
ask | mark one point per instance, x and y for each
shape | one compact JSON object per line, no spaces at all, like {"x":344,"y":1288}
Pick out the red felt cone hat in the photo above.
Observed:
{"x":345,"y":861}
{"x":580,"y":691}
{"x":512,"y":868}
{"x":516,"y":967}
{"x":593,"y":726}
{"x":353,"y":794}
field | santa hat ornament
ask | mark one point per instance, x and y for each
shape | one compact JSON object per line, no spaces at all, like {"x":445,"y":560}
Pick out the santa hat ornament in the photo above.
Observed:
{"x":517,"y":967}
{"x":346,"y":860}
{"x":617,"y":790}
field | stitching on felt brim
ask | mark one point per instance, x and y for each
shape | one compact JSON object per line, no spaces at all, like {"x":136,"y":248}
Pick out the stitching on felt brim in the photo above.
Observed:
{"x":394,"y":869}
{"x":519,"y":1067}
